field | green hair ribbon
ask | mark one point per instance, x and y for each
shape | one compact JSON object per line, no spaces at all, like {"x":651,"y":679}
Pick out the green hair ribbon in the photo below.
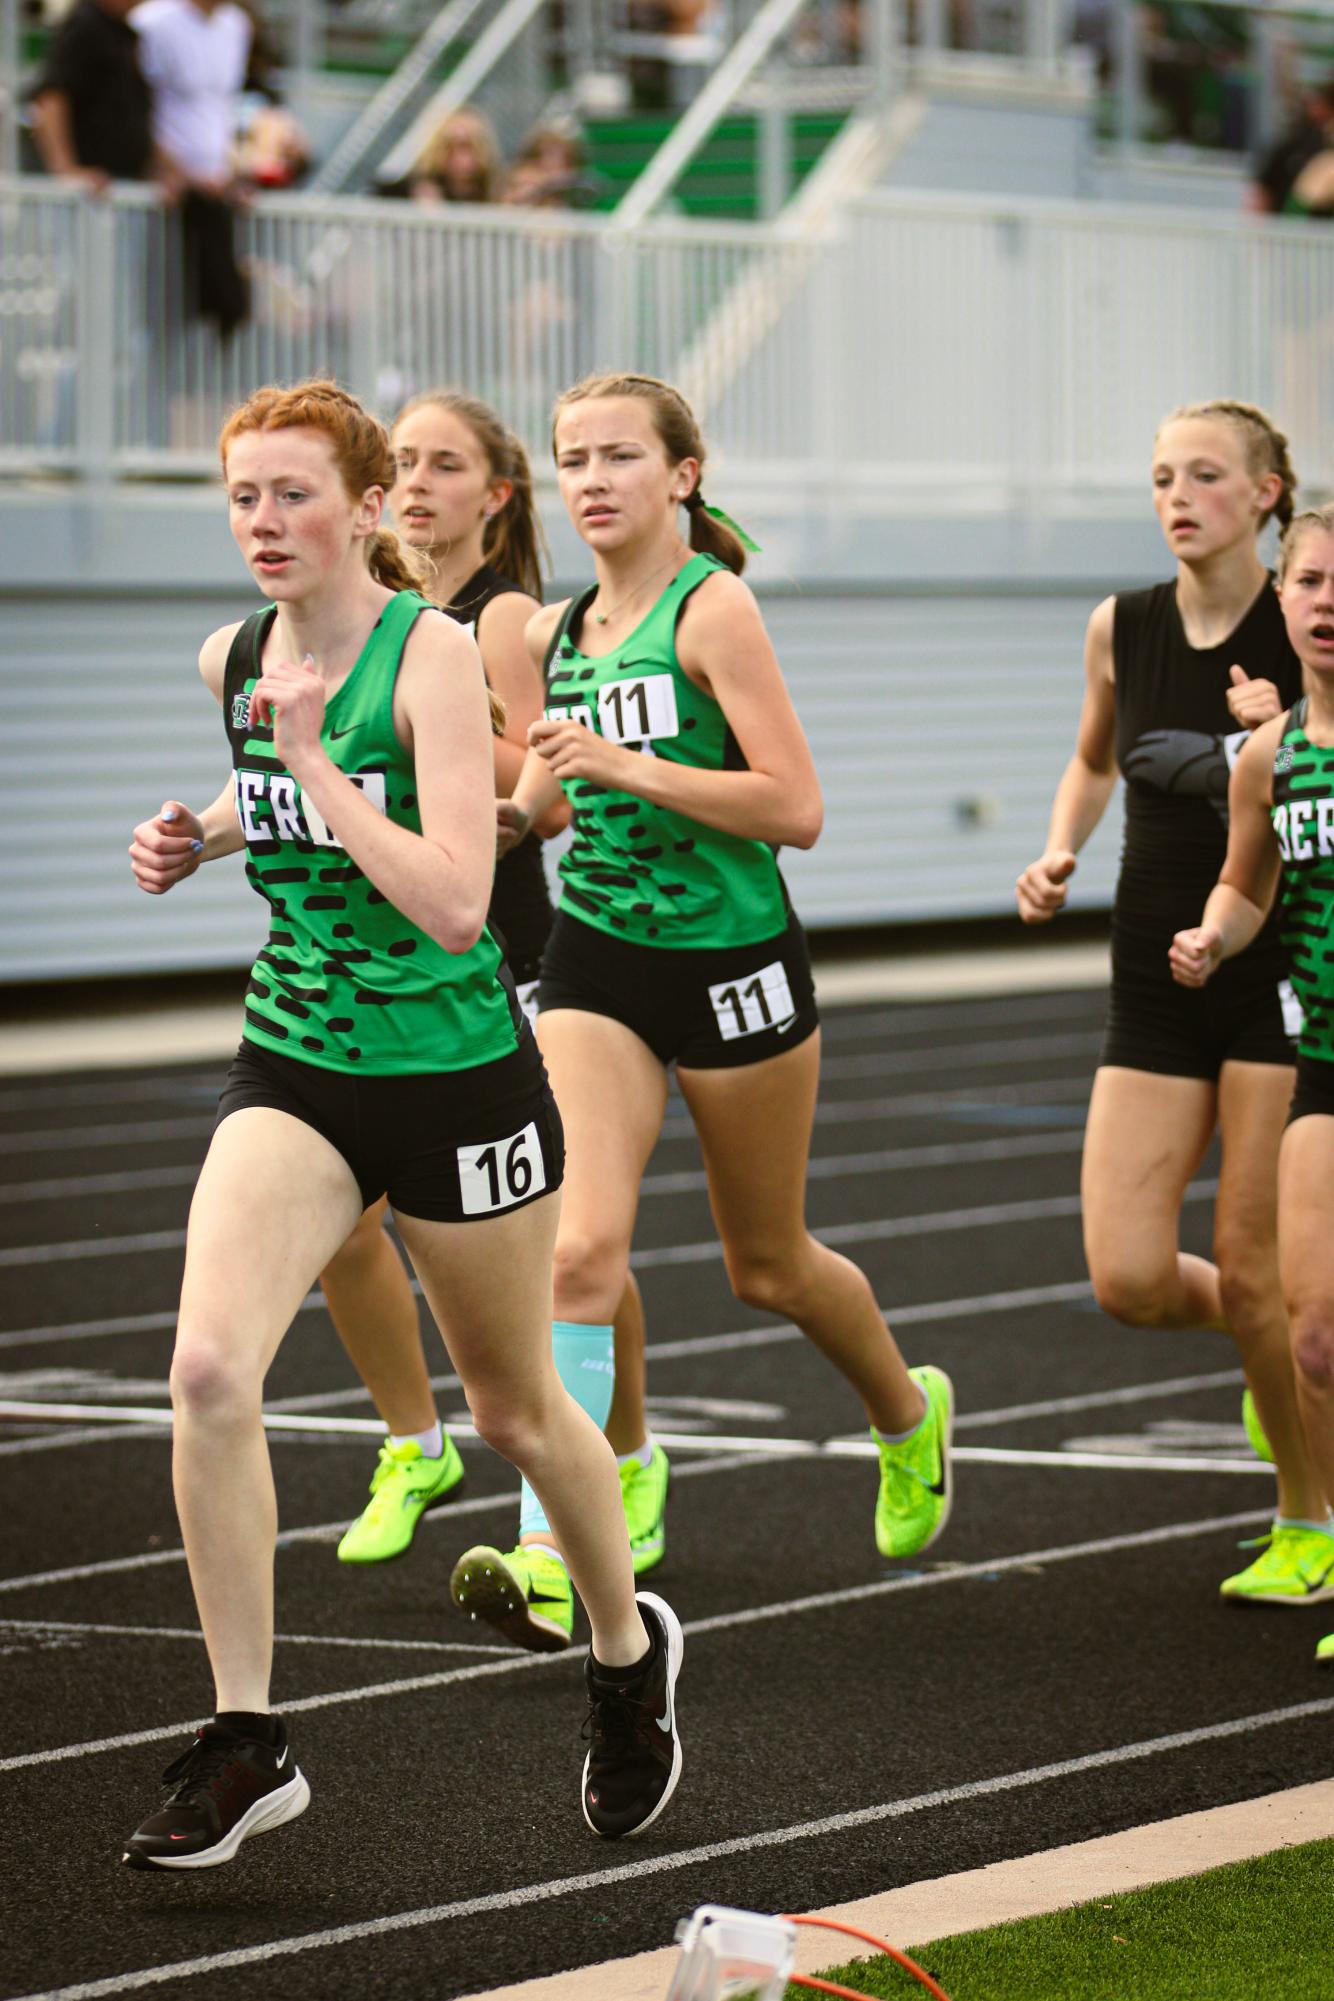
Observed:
{"x":720,"y":515}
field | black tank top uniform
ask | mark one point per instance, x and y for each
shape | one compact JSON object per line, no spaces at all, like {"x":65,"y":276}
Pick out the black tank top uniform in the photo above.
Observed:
{"x":520,"y":903}
{"x":1176,"y":743}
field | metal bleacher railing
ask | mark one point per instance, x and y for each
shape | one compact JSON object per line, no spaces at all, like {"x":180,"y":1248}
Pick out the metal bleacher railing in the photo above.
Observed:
{"x":1003,"y":351}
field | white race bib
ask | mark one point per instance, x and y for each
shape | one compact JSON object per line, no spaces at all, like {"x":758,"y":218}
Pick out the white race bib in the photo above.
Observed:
{"x":635,"y":711}
{"x":502,"y":1172}
{"x":753,"y":1003}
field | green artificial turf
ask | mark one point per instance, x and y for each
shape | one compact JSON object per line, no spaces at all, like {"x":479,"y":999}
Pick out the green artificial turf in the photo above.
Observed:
{"x":1254,"y":1931}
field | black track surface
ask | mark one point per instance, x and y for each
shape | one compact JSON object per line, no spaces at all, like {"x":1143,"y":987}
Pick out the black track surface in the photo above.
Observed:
{"x":444,"y":1828}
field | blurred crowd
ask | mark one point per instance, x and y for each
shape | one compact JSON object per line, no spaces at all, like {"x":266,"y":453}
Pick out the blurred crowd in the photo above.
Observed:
{"x":462,"y":161}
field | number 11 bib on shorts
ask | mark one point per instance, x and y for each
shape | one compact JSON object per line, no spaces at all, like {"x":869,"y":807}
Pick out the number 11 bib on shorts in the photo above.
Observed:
{"x":750,"y":1005}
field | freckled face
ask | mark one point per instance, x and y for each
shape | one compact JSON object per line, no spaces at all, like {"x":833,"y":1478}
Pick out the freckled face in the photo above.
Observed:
{"x":1205,"y":495}
{"x":445,"y":484}
{"x":615,"y":477}
{"x":290,"y":513}
{"x":1307,"y":595}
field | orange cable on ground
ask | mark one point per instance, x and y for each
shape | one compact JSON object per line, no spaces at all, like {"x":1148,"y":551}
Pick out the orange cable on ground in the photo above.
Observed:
{"x":869,"y":1938}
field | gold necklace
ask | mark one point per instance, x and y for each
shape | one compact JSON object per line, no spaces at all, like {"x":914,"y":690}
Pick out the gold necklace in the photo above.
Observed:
{"x":603,"y":617}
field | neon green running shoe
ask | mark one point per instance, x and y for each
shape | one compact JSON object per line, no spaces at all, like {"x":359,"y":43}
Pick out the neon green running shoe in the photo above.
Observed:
{"x":915,"y":1488}
{"x":1324,"y":1653}
{"x":1255,"y":1431}
{"x":644,"y":1498}
{"x":1295,"y":1567}
{"x":404,"y":1485}
{"x":526,"y":1595}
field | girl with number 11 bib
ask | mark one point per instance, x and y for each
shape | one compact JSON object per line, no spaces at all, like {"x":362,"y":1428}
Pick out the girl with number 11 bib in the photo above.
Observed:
{"x":669,"y":729}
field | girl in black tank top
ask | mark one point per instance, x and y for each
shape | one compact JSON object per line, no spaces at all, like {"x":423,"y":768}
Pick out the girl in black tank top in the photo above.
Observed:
{"x":1176,"y":677}
{"x":464,"y":497}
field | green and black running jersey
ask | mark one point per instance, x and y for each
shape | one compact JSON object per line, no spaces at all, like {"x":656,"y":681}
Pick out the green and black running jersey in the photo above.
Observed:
{"x":644,"y":872}
{"x":1303,"y":821}
{"x":346,"y":981}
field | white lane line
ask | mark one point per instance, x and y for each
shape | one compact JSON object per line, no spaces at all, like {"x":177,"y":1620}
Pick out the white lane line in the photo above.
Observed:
{"x":822,"y":1601}
{"x":676,"y":1125}
{"x":704,"y":1344}
{"x":1135,"y":1393}
{"x":759,"y":1446}
{"x":831,"y":1167}
{"x":991,"y":1216}
{"x":687,"y":1858}
{"x":961,"y":1055}
{"x":988,"y":1216}
{"x":116,"y":1133}
{"x":82,"y":1185}
{"x":279,"y":1639}
{"x":506,"y":1497}
{"x":887,"y":1022}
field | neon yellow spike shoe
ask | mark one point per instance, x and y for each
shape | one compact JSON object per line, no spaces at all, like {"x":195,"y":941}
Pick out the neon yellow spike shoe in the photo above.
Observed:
{"x":915,"y":1488}
{"x":1255,"y":1431}
{"x":526,"y":1595}
{"x":1295,"y":1567}
{"x":404,"y":1485}
{"x":1324,"y":1653}
{"x":644,"y":1498}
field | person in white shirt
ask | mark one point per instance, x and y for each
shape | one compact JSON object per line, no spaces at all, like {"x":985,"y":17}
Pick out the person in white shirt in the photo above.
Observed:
{"x":193,"y":54}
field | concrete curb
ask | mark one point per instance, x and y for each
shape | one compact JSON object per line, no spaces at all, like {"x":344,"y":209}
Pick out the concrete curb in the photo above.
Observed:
{"x":1026,"y":1887}
{"x":210,"y":1030}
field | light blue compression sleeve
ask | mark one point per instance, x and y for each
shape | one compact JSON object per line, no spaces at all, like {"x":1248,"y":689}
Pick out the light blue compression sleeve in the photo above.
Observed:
{"x":585,"y":1363}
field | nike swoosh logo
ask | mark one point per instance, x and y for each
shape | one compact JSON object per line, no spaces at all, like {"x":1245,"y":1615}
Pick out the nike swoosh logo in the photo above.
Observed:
{"x":283,"y":1760}
{"x":782,"y":1027}
{"x":334,"y":735}
{"x":664,"y":1722}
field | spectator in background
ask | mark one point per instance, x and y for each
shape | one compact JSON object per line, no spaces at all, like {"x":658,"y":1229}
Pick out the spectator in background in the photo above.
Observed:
{"x":1281,"y":170}
{"x":92,"y":109}
{"x":194,"y":54}
{"x":460,"y":161}
{"x":551,"y":170}
{"x":273,"y":151}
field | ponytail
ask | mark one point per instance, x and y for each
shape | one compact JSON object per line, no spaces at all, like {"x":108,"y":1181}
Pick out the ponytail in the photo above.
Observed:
{"x":712,"y":537}
{"x":514,"y":543}
{"x":395,"y":564}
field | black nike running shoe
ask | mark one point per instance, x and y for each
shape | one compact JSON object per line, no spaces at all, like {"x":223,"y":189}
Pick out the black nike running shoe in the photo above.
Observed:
{"x":223,"y":1789}
{"x":634,"y":1758}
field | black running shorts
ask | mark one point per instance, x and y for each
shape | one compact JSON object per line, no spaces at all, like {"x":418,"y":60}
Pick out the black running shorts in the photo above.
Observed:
{"x":450,"y":1146}
{"x":710,"y":1010}
{"x":1314,"y":1093}
{"x":1246,"y":1014}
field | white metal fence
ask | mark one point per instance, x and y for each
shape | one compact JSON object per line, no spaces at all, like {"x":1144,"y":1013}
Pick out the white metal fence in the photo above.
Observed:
{"x":1013,"y":352}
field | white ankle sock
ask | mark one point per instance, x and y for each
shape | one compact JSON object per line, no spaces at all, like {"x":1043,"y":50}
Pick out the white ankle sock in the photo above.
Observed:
{"x":643,"y":1457}
{"x":432,"y":1442}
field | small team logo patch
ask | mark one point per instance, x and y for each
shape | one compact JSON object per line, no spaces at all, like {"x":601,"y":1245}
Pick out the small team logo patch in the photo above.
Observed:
{"x":240,"y":712}
{"x":1283,"y":757}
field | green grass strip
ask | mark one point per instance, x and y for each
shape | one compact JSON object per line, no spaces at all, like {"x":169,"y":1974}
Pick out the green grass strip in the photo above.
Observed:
{"x":1254,"y":1931}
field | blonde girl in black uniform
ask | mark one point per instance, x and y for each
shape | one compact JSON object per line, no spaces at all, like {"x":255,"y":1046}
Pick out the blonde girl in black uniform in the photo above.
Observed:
{"x":383,"y":1051}
{"x":671,"y":733}
{"x":1175,"y":677}
{"x":464,"y":500}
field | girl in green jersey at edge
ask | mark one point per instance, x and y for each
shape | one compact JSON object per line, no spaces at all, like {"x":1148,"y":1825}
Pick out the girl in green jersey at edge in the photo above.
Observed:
{"x":1281,"y":838}
{"x":669,"y":729}
{"x":384,"y":1051}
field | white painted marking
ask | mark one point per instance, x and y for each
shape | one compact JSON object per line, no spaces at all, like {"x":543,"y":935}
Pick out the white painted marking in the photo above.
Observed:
{"x":994,"y":1215}
{"x":83,"y":1185}
{"x":687,"y":1858}
{"x":1135,"y":1393}
{"x":279,"y":1639}
{"x":822,"y":1601}
{"x":952,"y":1056}
{"x":323,"y":1531}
